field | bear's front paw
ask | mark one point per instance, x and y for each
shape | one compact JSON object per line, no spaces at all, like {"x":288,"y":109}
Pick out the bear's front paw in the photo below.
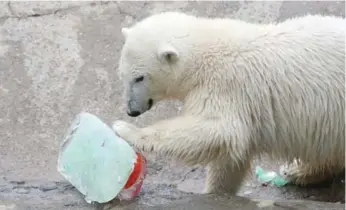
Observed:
{"x":127,"y":131}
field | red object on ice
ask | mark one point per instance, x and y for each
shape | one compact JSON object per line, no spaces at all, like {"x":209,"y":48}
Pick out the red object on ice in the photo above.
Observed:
{"x":265,"y":184}
{"x":134,"y":183}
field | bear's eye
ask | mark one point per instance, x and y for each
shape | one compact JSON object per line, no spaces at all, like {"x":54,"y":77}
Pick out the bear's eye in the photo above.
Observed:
{"x":139,"y":79}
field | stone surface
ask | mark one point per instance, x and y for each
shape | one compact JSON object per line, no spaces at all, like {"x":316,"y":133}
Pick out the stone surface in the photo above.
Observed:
{"x":156,"y":196}
{"x":60,"y":58}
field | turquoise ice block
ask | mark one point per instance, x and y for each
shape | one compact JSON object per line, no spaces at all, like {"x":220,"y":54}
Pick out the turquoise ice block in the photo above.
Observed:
{"x":94,"y":159}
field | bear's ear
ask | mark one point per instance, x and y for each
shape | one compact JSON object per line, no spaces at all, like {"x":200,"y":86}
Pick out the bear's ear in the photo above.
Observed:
{"x":125,"y":31}
{"x":167,"y":53}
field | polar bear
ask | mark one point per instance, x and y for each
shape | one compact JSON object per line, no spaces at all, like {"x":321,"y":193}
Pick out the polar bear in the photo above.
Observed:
{"x":248,"y":90}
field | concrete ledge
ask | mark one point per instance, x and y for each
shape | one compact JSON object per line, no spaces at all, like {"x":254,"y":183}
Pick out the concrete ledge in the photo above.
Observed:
{"x":201,"y":202}
{"x":192,"y":202}
{"x":61,"y":195}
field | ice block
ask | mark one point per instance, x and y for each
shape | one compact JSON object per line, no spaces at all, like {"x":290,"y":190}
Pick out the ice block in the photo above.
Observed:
{"x":269,"y":178}
{"x":98,"y":162}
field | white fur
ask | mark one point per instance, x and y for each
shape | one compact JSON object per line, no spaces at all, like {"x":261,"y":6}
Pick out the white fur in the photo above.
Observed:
{"x":248,"y":90}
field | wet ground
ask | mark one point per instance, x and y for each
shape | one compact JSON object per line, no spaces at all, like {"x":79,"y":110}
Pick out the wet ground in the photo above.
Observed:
{"x":59,"y":58}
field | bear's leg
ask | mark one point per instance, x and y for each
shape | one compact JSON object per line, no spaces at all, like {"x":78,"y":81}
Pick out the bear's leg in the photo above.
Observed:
{"x":225,"y":176}
{"x":193,"y":140}
{"x":304,"y":174}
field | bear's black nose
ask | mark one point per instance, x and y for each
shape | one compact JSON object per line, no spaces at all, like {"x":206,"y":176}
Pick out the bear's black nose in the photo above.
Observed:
{"x":133,"y":113}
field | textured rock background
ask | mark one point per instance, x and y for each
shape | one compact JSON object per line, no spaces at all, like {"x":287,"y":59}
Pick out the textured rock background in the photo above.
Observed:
{"x":60,"y":58}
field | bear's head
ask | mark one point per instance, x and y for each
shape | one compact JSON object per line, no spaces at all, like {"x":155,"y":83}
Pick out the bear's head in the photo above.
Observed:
{"x":151,"y":63}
